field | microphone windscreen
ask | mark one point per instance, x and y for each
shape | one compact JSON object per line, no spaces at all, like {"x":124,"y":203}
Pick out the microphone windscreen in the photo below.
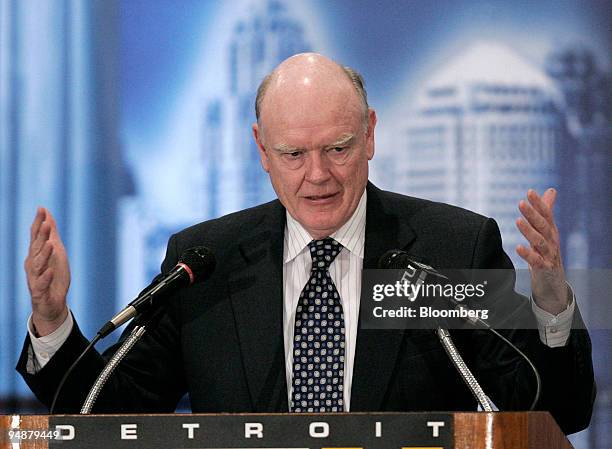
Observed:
{"x":200,"y":260}
{"x":394,"y":259}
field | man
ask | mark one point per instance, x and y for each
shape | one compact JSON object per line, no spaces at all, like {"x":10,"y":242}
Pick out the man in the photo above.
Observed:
{"x":276,"y":327}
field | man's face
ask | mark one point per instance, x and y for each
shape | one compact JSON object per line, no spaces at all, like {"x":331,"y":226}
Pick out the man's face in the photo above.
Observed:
{"x":316,"y":150}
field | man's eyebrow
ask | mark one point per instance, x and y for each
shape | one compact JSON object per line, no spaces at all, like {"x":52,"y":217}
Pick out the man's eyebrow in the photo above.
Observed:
{"x":344,"y":139}
{"x":284,"y":148}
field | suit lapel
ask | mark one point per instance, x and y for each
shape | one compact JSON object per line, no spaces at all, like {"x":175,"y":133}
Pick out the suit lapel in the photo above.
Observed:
{"x":377,"y":350}
{"x":256,"y":293}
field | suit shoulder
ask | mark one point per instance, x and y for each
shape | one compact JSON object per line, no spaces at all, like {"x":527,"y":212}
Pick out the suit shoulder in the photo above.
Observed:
{"x":432,"y":214}
{"x":447,"y":235}
{"x":224,"y":230}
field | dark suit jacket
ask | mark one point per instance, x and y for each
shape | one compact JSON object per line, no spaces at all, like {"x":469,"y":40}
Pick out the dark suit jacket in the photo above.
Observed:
{"x":222,"y":340}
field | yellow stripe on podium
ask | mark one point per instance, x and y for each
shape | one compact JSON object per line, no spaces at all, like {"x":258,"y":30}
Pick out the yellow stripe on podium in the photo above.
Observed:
{"x":422,"y":447}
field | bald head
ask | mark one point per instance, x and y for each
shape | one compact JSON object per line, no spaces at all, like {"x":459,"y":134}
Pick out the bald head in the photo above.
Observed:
{"x":308,"y":75}
{"x":315,"y":137}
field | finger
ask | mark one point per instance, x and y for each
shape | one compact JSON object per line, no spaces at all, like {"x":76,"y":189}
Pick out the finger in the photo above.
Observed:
{"x":54,"y":236}
{"x":43,"y":235}
{"x":549,"y":198}
{"x":535,"y":239}
{"x":540,"y":206}
{"x":51,"y":220}
{"x":38,"y":220}
{"x":536,"y":220}
{"x":41,"y":261}
{"x":530,"y":256}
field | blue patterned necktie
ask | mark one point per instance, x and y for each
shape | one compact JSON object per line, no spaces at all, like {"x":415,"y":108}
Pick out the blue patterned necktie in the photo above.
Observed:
{"x":318,"y":342}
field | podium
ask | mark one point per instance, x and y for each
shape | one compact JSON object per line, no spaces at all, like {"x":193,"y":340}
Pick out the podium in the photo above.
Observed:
{"x":427,"y":430}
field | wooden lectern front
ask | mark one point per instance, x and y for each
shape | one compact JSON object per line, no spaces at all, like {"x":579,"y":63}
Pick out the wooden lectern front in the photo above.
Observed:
{"x":431,"y":430}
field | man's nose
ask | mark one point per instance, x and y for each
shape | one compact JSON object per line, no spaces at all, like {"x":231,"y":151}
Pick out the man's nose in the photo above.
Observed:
{"x":317,"y":167}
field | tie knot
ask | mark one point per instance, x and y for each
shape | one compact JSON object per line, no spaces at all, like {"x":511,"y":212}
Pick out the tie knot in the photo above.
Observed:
{"x":323,"y":252}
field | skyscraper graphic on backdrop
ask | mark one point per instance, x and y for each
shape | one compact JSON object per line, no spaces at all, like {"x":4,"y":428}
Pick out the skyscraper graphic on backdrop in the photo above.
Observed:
{"x":59,"y":149}
{"x":586,"y":183}
{"x":233,"y":176}
{"x":487,"y":127}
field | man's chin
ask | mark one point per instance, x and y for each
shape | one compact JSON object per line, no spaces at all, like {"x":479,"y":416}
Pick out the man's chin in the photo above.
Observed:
{"x":322,"y":229}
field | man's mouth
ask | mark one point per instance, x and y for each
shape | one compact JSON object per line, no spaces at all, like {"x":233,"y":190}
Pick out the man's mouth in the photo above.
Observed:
{"x":321,"y":198}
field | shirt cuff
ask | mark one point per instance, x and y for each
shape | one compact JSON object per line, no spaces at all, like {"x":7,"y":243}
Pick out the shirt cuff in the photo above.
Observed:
{"x":555,"y":329}
{"x":43,"y":348}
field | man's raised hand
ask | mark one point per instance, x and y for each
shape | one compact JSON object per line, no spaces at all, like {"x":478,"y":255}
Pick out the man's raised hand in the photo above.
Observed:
{"x":544,"y":252}
{"x":47,"y":273}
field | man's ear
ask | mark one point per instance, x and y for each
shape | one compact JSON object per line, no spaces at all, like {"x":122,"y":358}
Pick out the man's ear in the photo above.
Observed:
{"x":263,"y":155}
{"x":370,"y":133}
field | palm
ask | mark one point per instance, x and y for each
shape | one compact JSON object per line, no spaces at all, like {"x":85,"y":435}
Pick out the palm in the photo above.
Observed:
{"x":48,"y":273}
{"x":544,"y":252}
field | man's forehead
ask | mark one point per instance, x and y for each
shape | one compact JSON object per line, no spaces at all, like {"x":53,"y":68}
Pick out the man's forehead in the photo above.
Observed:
{"x":321,"y":124}
{"x":295,"y":111}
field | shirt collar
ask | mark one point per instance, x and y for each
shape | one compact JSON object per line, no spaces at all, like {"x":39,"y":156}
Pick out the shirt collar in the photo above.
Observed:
{"x":351,"y":234}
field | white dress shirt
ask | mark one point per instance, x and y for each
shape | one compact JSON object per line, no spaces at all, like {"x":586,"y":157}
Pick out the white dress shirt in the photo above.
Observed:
{"x":345,"y":271}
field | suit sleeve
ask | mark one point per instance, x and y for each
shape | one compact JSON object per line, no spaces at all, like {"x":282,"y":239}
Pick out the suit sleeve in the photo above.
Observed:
{"x":568,"y":387}
{"x":149,"y":379}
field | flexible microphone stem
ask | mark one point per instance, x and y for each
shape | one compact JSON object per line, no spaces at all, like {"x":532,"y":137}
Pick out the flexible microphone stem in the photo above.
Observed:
{"x":463,"y":369}
{"x":129,"y":342}
{"x":477,"y":322}
{"x":149,"y":319}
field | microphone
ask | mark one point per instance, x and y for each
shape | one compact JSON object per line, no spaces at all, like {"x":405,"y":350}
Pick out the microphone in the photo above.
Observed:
{"x":397,"y":259}
{"x":195,"y":264}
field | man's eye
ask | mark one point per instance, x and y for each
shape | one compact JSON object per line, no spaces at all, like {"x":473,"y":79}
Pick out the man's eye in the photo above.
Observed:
{"x":293,"y":154}
{"x":338,"y":150}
